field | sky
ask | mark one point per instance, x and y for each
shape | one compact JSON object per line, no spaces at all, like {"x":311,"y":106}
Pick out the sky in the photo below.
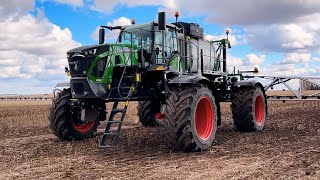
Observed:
{"x":281,"y":37}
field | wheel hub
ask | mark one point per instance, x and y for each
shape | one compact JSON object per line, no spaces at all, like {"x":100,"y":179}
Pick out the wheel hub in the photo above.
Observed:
{"x":159,"y":116}
{"x":204,"y":118}
{"x":259,"y":110}
{"x":82,"y":126}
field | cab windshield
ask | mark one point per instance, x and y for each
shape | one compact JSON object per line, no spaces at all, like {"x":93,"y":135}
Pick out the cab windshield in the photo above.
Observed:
{"x":140,"y":37}
{"x":150,"y":42}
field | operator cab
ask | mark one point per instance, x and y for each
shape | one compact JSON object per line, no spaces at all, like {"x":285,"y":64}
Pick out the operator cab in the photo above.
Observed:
{"x":151,"y":47}
{"x":179,"y":46}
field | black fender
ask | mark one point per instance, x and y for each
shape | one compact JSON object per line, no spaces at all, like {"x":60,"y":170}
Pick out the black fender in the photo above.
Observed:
{"x":250,"y":83}
{"x":190,"y":79}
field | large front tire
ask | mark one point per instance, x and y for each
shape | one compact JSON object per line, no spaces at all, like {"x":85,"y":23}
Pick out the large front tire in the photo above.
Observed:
{"x":64,"y":124}
{"x":191,"y":119}
{"x":249,"y":109}
{"x":149,"y":113}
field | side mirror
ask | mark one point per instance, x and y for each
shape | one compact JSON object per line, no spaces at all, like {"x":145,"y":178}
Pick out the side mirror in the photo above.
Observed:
{"x":162,"y":20}
{"x":101,"y":35}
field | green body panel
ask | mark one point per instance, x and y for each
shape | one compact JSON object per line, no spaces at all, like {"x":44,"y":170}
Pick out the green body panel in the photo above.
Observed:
{"x":176,"y":64}
{"x":128,"y":56}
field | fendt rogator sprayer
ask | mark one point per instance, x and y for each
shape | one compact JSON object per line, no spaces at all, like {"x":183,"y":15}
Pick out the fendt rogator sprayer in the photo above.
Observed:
{"x":178,"y":77}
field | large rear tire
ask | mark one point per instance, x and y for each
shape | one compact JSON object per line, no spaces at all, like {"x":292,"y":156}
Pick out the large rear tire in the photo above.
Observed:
{"x":149,"y":113}
{"x":249,"y":109}
{"x":191,"y":118}
{"x":63,"y":122}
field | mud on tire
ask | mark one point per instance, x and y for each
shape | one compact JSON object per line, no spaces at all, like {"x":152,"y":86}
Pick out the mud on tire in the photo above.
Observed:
{"x":149,"y":113}
{"x":63,"y":124}
{"x":190,"y":118}
{"x":249,"y":109}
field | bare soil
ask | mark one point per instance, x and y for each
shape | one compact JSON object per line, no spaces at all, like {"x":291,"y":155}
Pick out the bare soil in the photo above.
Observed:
{"x":289,"y":148}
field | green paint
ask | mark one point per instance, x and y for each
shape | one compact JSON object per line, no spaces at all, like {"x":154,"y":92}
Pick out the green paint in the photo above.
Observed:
{"x":176,"y":64}
{"x":125,"y":52}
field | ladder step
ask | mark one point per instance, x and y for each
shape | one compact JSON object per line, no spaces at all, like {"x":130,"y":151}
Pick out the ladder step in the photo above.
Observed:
{"x":109,"y":140}
{"x":111,"y":133}
{"x":118,"y":110}
{"x":106,"y":146}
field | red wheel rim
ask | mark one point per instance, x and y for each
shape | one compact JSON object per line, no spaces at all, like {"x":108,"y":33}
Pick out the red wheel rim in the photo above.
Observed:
{"x":204,"y":118}
{"x":159,"y":116}
{"x":259,"y":110}
{"x":82,"y":127}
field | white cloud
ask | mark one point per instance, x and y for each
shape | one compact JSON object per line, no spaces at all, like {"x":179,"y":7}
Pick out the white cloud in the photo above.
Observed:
{"x":76,"y":3}
{"x":235,"y":39}
{"x":104,"y":6}
{"x":284,"y":70}
{"x":11,"y":72}
{"x":228,"y":12}
{"x":32,"y":46}
{"x":304,"y":39}
{"x":244,"y":12}
{"x":298,"y":35}
{"x":33,"y":35}
{"x":310,"y":22}
{"x":234,"y":61}
{"x":166,"y":3}
{"x":255,"y":60}
{"x":316,"y":59}
{"x":15,"y":8}
{"x":281,"y":38}
{"x":107,"y":6}
{"x":297,"y":58}
{"x":33,"y":49}
{"x":237,"y":63}
{"x":112,"y":35}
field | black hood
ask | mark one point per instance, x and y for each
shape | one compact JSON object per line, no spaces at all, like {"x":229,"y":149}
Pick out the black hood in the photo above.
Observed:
{"x":80,"y":59}
{"x":100,"y":48}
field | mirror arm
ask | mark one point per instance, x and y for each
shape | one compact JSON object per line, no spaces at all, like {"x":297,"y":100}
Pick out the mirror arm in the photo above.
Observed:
{"x":111,"y":27}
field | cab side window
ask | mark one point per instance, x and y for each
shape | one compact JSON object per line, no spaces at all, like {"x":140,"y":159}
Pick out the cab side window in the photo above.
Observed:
{"x":194,"y":55}
{"x":170,"y":44}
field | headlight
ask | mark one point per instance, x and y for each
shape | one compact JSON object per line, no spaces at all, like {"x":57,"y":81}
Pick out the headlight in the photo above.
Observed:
{"x":90,"y":52}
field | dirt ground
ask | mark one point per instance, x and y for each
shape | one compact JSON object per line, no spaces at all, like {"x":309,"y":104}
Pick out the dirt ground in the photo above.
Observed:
{"x":289,"y":148}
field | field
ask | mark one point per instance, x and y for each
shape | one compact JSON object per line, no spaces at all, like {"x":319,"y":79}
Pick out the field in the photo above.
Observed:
{"x":289,"y":148}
